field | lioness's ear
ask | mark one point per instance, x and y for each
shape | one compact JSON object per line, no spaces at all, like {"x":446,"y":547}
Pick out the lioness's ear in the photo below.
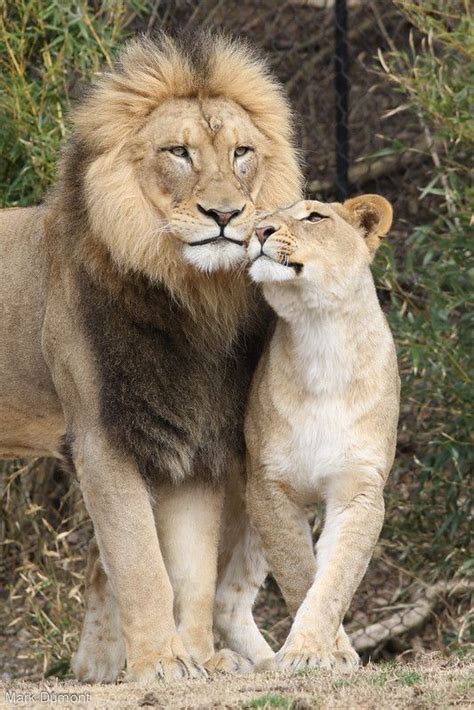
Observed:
{"x":371,"y":214}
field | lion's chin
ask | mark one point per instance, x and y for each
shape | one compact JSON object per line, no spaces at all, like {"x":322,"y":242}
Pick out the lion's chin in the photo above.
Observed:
{"x":220,"y":256}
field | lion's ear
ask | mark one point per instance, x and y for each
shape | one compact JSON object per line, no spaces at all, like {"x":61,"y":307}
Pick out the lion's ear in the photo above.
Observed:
{"x":372,"y":215}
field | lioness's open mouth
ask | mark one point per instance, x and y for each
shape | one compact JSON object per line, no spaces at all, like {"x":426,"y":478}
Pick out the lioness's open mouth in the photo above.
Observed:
{"x":290,"y":264}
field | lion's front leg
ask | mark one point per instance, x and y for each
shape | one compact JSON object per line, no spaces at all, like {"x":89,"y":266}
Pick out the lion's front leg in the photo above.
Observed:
{"x":354,"y":518}
{"x":118,"y":503}
{"x":188,"y":519}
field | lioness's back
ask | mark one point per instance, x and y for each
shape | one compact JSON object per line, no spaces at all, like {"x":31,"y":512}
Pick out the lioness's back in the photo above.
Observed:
{"x":27,"y":396}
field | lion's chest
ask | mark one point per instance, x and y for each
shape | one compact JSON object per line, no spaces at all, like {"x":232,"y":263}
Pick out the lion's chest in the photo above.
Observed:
{"x":175,"y":404}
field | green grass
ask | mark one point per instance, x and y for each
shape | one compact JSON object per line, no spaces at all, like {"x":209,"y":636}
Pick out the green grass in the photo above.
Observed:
{"x":47,"y":51}
{"x":269,"y":701}
{"x":410,"y":678}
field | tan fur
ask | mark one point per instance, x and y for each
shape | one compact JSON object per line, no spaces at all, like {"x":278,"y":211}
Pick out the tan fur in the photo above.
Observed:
{"x":321,"y":424}
{"x":124,"y":215}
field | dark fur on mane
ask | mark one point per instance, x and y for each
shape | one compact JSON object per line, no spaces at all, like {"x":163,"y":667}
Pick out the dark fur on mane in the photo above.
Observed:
{"x":171,"y":395}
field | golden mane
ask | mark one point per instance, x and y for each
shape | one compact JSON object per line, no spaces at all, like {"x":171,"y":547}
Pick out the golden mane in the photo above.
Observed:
{"x":98,"y":194}
{"x":150,"y":72}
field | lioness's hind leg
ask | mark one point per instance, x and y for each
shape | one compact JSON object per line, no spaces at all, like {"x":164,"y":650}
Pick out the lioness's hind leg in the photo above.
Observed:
{"x":242,"y":571}
{"x":101,"y":653}
{"x":241,"y":577}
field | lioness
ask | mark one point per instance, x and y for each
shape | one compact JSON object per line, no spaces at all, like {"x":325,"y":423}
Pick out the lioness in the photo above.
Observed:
{"x":321,"y":425}
{"x":130,"y":331}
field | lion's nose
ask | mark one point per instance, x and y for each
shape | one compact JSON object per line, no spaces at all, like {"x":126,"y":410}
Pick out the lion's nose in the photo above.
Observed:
{"x":264,"y":232}
{"x":222,"y":218}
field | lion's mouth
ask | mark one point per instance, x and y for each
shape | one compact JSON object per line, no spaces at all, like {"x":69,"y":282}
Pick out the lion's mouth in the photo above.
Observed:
{"x":213,"y":240}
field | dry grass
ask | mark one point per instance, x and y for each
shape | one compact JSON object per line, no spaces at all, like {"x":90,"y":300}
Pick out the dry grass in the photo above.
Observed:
{"x":43,"y":543}
{"x":431,"y":682}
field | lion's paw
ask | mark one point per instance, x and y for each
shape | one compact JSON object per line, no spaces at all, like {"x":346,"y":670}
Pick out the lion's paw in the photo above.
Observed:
{"x":98,"y":660}
{"x":227,"y":661}
{"x":165,"y":668}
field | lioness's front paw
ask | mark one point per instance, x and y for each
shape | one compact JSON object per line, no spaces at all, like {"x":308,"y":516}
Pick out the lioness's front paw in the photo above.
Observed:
{"x":346,"y":661}
{"x":227,"y":661}
{"x":167,"y":668}
{"x":313,"y":656}
{"x":346,"y":658}
{"x":304,"y":659}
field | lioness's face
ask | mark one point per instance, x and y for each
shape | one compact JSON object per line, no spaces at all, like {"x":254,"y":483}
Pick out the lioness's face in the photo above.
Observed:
{"x":200,"y":167}
{"x":323,"y":248}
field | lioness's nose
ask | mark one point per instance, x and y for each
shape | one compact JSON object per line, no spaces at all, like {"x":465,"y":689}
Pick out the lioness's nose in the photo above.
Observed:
{"x":222,"y":218}
{"x":264,"y":232}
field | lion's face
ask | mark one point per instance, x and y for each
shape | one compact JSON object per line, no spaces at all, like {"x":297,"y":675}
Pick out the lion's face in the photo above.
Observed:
{"x":201,"y":166}
{"x":171,"y":154}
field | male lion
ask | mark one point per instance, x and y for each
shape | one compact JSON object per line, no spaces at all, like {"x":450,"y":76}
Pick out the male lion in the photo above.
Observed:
{"x":130,"y":331}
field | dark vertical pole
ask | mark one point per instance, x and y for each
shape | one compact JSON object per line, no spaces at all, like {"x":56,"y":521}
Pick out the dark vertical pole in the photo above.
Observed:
{"x":341,"y":85}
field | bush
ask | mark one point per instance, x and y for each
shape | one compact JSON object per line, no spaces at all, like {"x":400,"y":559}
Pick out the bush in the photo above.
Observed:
{"x":46,"y":50}
{"x":431,"y":294}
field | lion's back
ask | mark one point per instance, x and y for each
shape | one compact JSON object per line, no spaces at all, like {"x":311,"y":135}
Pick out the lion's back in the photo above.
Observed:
{"x":26,"y":389}
{"x":22,"y":270}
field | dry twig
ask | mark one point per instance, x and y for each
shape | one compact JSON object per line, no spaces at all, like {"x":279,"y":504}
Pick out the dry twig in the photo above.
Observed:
{"x":409,"y":619}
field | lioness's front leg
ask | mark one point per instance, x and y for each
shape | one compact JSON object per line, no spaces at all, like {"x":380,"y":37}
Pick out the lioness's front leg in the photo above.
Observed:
{"x":354,"y":518}
{"x":283,"y":526}
{"x":118,"y":503}
{"x":244,"y":565}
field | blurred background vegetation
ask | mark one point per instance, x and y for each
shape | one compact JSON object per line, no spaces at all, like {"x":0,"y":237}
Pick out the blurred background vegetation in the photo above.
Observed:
{"x":412,"y":134}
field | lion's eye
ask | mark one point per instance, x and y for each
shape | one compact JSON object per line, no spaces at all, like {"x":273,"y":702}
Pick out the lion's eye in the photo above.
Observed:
{"x":179,"y":150}
{"x":314,"y":217}
{"x":242,"y":150}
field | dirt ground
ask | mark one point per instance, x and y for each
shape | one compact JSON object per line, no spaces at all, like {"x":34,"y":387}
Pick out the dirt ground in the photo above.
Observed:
{"x":432,"y":682}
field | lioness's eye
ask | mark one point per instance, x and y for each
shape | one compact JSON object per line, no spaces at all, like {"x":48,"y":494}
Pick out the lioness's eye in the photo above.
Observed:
{"x":314,"y":217}
{"x":242,"y":150}
{"x":179,"y":150}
